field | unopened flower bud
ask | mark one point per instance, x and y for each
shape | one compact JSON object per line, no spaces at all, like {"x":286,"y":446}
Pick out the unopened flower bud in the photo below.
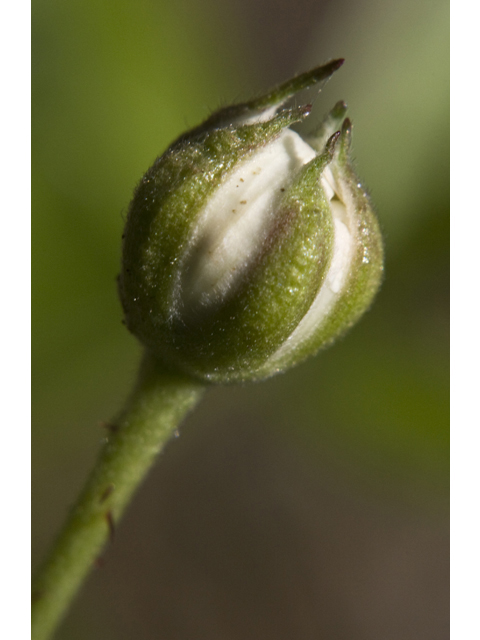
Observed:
{"x":246,"y":247}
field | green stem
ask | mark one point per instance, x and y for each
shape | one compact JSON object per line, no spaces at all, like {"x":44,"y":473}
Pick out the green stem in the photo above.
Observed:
{"x":158,"y":404}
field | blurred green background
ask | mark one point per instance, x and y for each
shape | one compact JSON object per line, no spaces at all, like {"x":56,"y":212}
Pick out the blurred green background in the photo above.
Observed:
{"x":314,"y":505}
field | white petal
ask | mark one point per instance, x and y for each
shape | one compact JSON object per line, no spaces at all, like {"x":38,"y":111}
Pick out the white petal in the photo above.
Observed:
{"x":236,"y":220}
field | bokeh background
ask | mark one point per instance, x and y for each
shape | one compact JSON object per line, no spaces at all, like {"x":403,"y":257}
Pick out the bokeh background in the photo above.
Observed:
{"x":314,"y":505}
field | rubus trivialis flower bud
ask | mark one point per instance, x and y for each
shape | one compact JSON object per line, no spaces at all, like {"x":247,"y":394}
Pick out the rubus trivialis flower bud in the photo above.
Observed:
{"x":246,"y":247}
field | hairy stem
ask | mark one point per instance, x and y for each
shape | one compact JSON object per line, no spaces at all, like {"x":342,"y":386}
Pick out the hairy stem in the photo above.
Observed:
{"x":158,"y":404}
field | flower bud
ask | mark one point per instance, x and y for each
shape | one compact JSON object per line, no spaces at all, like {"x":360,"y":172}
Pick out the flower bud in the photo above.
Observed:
{"x":246,"y":247}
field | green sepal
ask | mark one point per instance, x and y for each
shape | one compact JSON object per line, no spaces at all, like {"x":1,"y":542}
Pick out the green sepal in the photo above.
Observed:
{"x":231,"y":342}
{"x":331,"y":123}
{"x":164,"y":209}
{"x":366,"y":271}
{"x":237,"y":113}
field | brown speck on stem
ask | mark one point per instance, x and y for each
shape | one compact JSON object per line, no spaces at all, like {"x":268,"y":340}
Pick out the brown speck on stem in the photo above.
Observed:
{"x":243,"y":202}
{"x":108,"y":492}
{"x":109,"y":426}
{"x":111,"y":526}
